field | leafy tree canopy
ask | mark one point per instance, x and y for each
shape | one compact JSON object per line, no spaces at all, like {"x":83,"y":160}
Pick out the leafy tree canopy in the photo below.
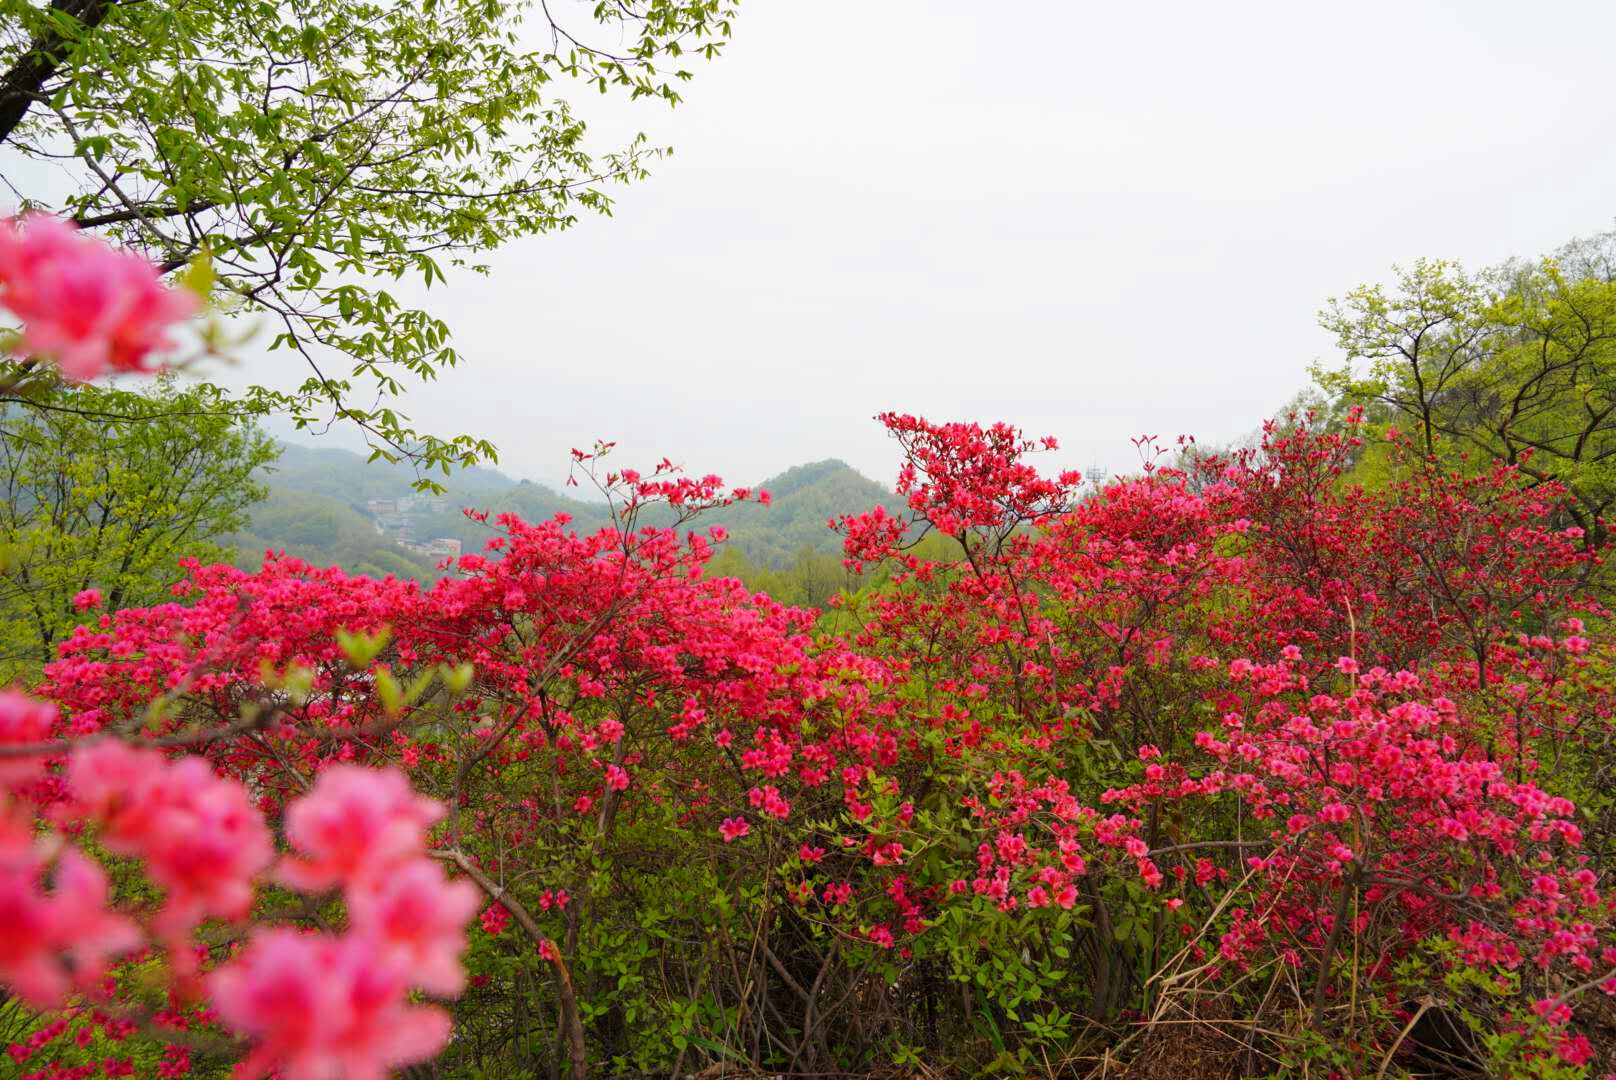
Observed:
{"x":1516,"y":363}
{"x":318,"y":149}
{"x":107,"y":490}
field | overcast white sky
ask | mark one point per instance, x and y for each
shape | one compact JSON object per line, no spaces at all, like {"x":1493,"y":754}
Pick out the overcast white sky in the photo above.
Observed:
{"x":1091,"y":220}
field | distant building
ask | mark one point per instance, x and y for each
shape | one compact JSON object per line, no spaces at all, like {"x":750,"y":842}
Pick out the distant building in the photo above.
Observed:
{"x":382,"y":507}
{"x":444,"y":547}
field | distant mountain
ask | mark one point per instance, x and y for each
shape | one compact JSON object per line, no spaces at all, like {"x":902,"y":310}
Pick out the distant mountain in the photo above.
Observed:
{"x":331,"y":507}
{"x":802,"y":500}
{"x":324,"y":530}
{"x":343,"y":474}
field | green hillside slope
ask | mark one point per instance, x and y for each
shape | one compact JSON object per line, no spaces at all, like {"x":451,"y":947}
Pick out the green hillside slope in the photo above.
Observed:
{"x":331,"y":507}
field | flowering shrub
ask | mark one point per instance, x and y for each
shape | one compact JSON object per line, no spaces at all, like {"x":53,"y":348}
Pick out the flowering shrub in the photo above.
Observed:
{"x":1238,"y":742}
{"x":311,"y":1004}
{"x":328,"y":1005}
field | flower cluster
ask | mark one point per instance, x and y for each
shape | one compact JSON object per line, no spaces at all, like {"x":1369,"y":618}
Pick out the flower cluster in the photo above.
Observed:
{"x":1277,"y":722}
{"x":52,"y":942}
{"x":200,"y":837}
{"x":90,"y":308}
{"x":338,"y":1005}
{"x":314,"y":1005}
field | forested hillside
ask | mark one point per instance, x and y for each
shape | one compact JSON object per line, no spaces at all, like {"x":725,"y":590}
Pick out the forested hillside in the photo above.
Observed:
{"x":323,"y":507}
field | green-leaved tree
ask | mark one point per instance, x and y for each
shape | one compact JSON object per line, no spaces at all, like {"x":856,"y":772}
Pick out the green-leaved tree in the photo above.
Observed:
{"x":319,"y":149}
{"x":1515,"y":364}
{"x":106,"y":489}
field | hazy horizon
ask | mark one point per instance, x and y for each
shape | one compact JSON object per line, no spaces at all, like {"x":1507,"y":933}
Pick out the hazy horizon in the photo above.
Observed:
{"x":559,"y":486}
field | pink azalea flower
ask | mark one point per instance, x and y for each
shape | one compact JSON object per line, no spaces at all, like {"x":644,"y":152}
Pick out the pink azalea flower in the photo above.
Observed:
{"x":28,"y":962}
{"x":82,"y":926}
{"x":320,"y":1007}
{"x":418,"y":917}
{"x":37,"y":930}
{"x":201,"y":836}
{"x":355,"y":822}
{"x":23,"y":720}
{"x":495,"y":918}
{"x":90,"y":307}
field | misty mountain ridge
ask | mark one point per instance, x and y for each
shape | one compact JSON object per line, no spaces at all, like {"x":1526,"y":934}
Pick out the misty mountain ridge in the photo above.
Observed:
{"x":329,"y":506}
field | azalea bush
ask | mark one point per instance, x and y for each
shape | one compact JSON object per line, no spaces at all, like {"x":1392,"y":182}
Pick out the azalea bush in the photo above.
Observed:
{"x":1234,"y":745}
